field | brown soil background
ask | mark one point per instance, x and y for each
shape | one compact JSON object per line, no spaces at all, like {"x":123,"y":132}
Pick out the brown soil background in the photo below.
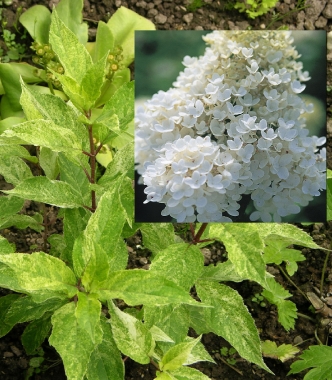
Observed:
{"x":170,"y":15}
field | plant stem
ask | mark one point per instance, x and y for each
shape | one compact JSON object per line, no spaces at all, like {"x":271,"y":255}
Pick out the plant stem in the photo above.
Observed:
{"x":280,"y":17}
{"x":196,"y":238}
{"x":229,"y":365}
{"x":293,"y":283}
{"x":323,"y":272}
{"x":154,"y":363}
{"x":306,"y":317}
{"x":50,"y":86}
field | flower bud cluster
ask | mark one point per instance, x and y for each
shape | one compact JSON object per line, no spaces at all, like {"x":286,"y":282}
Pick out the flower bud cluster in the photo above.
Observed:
{"x":114,"y":59}
{"x":232,"y":125}
{"x":47,"y":58}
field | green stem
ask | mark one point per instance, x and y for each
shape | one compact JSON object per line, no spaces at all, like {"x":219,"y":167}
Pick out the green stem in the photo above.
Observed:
{"x":278,"y":18}
{"x":306,"y":317}
{"x":292,"y":282}
{"x":50,"y":86}
{"x":323,"y":272}
{"x":155,"y":364}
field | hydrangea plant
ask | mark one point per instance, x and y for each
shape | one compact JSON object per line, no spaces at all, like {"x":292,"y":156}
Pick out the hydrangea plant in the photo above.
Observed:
{"x":232,"y":127}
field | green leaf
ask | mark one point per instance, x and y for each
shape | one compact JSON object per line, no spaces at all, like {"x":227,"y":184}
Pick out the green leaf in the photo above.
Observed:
{"x":126,"y":137}
{"x":58,"y":245}
{"x":107,"y":130}
{"x":26,"y":71}
{"x":180,"y":262}
{"x":73,"y":343}
{"x":71,"y":53}
{"x":17,"y":150}
{"x":97,"y":269}
{"x":40,"y":275}
{"x":317,"y":357}
{"x":24,"y":309}
{"x":104,"y":41}
{"x":87,"y":313}
{"x":14,"y":169}
{"x":5,"y":246}
{"x":157,"y":236}
{"x":287,"y":311}
{"x":122,"y":163}
{"x":126,"y":192}
{"x":198,"y":354}
{"x":35,"y":333}
{"x":106,"y":361}
{"x":74,"y":92}
{"x":284,"y":352}
{"x":73,"y":174}
{"x":120,"y":104}
{"x":172,"y":319}
{"x":244,"y":246}
{"x":45,"y":133}
{"x":119,"y":78}
{"x":122,"y":24}
{"x":9,"y":121}
{"x":131,"y":336}
{"x":70,"y":12}
{"x":37,"y":21}
{"x":178,"y":355}
{"x":276,"y":251}
{"x":5,"y":305}
{"x":37,"y":105}
{"x":102,"y":236}
{"x":93,"y":80}
{"x":288,"y":232}
{"x":188,"y":373}
{"x":158,"y":335}
{"x":42,"y":189}
{"x":7,"y":110}
{"x":11,"y":83}
{"x":23,"y":221}
{"x":48,"y":161}
{"x":230,"y":319}
{"x":74,"y":222}
{"x":221,"y":272}
{"x":9,"y":206}
{"x":152,"y":290}
{"x":164,"y":376}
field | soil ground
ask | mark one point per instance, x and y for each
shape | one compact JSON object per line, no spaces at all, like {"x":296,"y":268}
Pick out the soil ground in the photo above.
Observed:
{"x":168,"y":14}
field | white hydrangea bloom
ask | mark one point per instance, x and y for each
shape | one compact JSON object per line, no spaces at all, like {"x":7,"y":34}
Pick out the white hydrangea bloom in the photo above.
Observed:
{"x":231,"y":127}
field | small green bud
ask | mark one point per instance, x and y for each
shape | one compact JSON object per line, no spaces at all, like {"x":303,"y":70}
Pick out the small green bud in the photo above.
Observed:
{"x":35,"y":59}
{"x":40,"y":51}
{"x":114,"y":67}
{"x":57,"y":83}
{"x":60,"y":70}
{"x":118,"y":49}
{"x":49,"y":55}
{"x":35,"y":45}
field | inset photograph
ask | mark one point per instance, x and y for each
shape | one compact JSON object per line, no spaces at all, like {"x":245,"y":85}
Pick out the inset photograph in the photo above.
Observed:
{"x":230,"y":126}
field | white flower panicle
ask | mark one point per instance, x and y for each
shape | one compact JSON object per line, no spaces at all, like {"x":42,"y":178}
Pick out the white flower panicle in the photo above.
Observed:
{"x":230,"y":127}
